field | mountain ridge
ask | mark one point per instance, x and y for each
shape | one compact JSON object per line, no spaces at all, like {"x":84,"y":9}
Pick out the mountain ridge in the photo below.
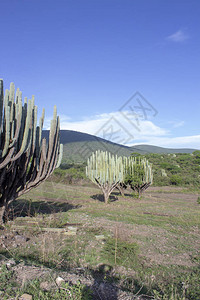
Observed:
{"x":78,"y":146}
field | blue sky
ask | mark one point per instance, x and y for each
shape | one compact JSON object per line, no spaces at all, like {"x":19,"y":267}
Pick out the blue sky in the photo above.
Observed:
{"x":90,"y":58}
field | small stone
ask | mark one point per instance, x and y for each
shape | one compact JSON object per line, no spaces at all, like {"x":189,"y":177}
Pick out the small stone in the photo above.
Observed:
{"x":14,"y":245}
{"x":72,"y":228}
{"x":26,"y":297}
{"x":100,"y":237}
{"x":10,"y":263}
{"x":21,"y":239}
{"x":59,"y":280}
{"x":45,"y":286}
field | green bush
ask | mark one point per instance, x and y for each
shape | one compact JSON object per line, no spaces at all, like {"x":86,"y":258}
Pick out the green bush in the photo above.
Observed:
{"x":175,"y":180}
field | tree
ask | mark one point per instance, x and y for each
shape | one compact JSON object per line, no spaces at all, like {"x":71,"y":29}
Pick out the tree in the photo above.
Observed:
{"x":26,"y":159}
{"x":137,"y":173}
{"x":106,"y":171}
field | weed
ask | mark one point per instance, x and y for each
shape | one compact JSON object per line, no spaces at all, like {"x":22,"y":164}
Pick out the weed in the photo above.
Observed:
{"x":65,"y":292}
{"x":7,"y":283}
{"x":120,"y":253}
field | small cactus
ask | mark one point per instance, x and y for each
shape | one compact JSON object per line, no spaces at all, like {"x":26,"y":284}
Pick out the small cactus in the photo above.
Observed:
{"x":105,"y":170}
{"x":137,"y":173}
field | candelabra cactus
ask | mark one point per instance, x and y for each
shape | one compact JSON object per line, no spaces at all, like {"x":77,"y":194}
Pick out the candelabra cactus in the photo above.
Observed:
{"x":137,"y":173}
{"x":26,"y":159}
{"x":105,"y":170}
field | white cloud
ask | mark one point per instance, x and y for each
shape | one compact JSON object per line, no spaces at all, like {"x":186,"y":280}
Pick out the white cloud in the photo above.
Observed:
{"x":178,"y":36}
{"x":118,"y":129}
{"x":115,"y":127}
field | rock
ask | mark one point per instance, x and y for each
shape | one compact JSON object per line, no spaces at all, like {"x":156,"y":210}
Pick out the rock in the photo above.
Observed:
{"x":72,"y":228}
{"x":26,"y":297}
{"x":100,"y":237}
{"x":10,"y":263}
{"x":102,"y":287}
{"x":59,"y":280}
{"x":21,"y":239}
{"x":45,"y":286}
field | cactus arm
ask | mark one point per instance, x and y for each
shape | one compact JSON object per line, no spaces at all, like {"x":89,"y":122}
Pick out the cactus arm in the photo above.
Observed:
{"x":25,"y":140}
{"x":7,"y":159}
{"x":1,"y":106}
{"x":7,"y":130}
{"x":60,"y":155}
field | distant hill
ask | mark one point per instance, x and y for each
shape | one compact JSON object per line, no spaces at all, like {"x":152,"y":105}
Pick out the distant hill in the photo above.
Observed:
{"x":143,"y":149}
{"x":78,"y":146}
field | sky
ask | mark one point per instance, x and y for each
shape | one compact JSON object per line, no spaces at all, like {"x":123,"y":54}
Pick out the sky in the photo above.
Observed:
{"x":124,"y":70}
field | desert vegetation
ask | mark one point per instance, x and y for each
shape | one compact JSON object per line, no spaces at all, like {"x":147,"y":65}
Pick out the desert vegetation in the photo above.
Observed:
{"x":110,"y":172}
{"x":133,"y":248}
{"x":62,"y":242}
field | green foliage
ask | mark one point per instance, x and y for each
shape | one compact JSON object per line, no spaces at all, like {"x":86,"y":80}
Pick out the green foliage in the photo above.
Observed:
{"x":184,"y":286}
{"x":137,"y":173}
{"x":175,"y":180}
{"x":121,"y":253}
{"x":198,"y":200}
{"x":180,"y":168}
{"x":9,"y":288}
{"x":136,"y":178}
{"x":186,"y":166}
{"x":70,"y":175}
{"x":7,"y":283}
{"x":65,"y":292}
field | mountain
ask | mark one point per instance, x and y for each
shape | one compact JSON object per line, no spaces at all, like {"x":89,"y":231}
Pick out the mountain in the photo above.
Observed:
{"x":78,"y":146}
{"x":155,"y":149}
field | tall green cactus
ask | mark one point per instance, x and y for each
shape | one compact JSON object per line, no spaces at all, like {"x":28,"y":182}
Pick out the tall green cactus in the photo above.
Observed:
{"x":105,"y":170}
{"x":26,"y":159}
{"x":137,"y":173}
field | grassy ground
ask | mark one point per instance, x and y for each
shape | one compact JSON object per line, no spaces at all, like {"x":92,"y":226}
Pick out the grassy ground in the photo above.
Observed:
{"x":148,"y":246}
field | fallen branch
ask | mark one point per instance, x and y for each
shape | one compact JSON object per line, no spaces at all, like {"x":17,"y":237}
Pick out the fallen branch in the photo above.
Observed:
{"x":66,"y":231}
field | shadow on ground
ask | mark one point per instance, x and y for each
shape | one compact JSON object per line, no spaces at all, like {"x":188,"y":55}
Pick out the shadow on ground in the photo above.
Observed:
{"x":24,"y":208}
{"x":100,"y":198}
{"x":108,"y":286}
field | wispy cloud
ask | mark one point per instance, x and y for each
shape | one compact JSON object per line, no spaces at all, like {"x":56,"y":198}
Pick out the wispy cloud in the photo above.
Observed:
{"x":174,"y":142}
{"x":176,"y":124}
{"x":178,"y":36}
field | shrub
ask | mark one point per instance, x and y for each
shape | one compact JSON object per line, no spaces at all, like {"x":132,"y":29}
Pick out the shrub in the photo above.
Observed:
{"x":175,"y":180}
